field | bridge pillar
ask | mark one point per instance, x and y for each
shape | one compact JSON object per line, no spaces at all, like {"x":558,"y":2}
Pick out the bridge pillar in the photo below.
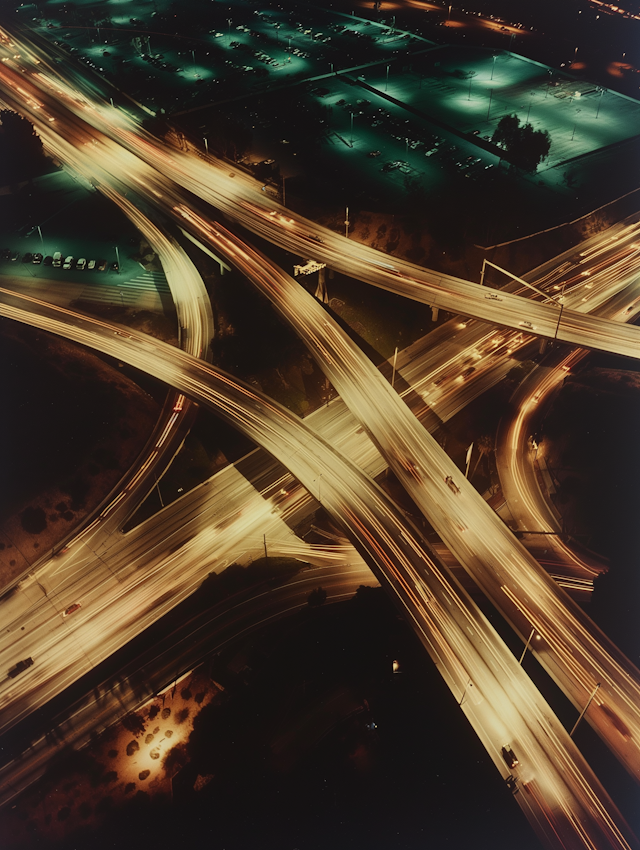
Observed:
{"x":434,"y":314}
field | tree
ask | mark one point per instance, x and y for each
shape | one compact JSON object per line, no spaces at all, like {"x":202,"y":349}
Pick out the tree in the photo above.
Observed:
{"x":317,"y":597}
{"x":21,"y":152}
{"x":526,"y":148}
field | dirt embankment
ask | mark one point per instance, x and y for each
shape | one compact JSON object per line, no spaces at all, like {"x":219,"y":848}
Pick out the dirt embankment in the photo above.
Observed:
{"x":73,"y":425}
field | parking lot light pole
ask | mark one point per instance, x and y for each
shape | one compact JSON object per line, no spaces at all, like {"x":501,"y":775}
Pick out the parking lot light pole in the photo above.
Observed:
{"x":386,"y":85}
{"x":118,"y":258}
{"x":41,"y":239}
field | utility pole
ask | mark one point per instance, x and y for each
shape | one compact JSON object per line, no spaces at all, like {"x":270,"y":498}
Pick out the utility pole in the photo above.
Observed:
{"x":584,"y":710}
{"x":346,"y":224}
{"x":264,"y":540}
{"x":117,"y":258}
{"x":386,"y":85}
{"x":393,"y":374}
{"x":490,"y":98}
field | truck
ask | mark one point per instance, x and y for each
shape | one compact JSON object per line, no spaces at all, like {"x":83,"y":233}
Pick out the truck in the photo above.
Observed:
{"x":20,"y":667}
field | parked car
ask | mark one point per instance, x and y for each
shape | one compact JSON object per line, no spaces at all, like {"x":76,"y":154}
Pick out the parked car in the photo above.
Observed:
{"x":14,"y":256}
{"x":68,"y":262}
{"x":81,"y":264}
{"x":48,"y":260}
{"x":115,"y":267}
{"x":28,"y":257}
{"x":102,"y":264}
{"x":37,"y":259}
{"x":91,"y":264}
{"x":71,"y":609}
{"x":5,"y":253}
{"x":57,"y":260}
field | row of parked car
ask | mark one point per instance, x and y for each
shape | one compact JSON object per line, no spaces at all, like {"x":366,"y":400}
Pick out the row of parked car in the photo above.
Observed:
{"x":57,"y":261}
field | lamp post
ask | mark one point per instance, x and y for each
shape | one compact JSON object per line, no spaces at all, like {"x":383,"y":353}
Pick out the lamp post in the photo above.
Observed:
{"x":526,"y":646}
{"x":493,"y":67}
{"x":584,"y":710}
{"x":229,"y":23}
{"x":490,"y":98}
{"x":471,"y":76}
{"x":118,"y":258}
{"x":351,"y":131}
{"x":393,"y":373}
{"x":41,"y":239}
{"x":346,"y":224}
{"x":206,"y":144}
{"x":599,"y":102}
{"x":386,"y":85}
{"x":561,"y":300}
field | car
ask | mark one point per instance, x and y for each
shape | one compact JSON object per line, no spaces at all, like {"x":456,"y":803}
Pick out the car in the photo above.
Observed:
{"x":48,"y":260}
{"x":20,"y":667}
{"x":101,"y":265}
{"x":71,"y":609}
{"x":493,"y":297}
{"x":81,"y":264}
{"x":14,"y":256}
{"x":28,"y":257}
{"x":57,"y":260}
{"x":115,"y":267}
{"x":527,"y":325}
{"x":37,"y":259}
{"x":509,"y":756}
{"x":91,"y":264}
{"x":451,"y":484}
{"x":5,"y":253}
{"x":68,"y":262}
{"x":373,"y":153}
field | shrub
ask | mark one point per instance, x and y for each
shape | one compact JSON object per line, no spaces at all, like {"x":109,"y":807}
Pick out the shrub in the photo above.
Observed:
{"x":144,"y":774}
{"x":132,"y":747}
{"x":153,"y":711}
{"x":113,"y":754}
{"x":149,"y":738}
{"x":33,"y":520}
{"x":111,"y":776}
{"x":129,"y":787}
{"x":182,"y":715}
{"x":199,"y":697}
{"x":104,"y":805}
{"x":186,"y":694}
{"x":166,"y":712}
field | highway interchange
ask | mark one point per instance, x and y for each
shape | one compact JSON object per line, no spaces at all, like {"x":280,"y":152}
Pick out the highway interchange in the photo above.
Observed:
{"x":385,"y":540}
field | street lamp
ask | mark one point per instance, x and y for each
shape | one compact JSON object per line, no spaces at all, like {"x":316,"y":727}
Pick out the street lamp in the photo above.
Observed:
{"x":346,"y":224}
{"x":584,"y":710}
{"x":386,"y":85}
{"x":41,"y":239}
{"x":561,"y":300}
{"x":229,"y":23}
{"x":493,"y":67}
{"x":490,"y":98}
{"x":206,"y":144}
{"x":599,"y":102}
{"x":118,"y":258}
